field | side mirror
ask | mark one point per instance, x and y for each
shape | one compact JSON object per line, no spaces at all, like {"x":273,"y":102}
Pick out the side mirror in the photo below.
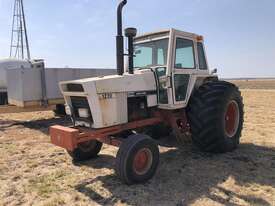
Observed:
{"x":214,"y":71}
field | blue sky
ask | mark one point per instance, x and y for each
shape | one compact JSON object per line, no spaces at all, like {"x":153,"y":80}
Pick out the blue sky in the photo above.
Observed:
{"x":239,"y":34}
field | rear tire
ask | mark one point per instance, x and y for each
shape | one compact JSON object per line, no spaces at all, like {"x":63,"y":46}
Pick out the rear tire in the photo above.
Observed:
{"x":137,"y":159}
{"x":215,"y":113}
{"x":86,"y":151}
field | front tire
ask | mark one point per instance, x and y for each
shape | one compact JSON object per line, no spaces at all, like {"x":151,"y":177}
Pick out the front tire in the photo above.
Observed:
{"x":86,"y":151}
{"x":215,"y":114}
{"x":137,"y":159}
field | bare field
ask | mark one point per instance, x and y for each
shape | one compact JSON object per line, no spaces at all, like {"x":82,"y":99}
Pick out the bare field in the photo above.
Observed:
{"x":268,"y":84}
{"x":34,"y":172}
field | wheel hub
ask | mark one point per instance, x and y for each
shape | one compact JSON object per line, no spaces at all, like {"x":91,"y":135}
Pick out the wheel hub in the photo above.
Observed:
{"x":232,"y":118}
{"x":143,"y":161}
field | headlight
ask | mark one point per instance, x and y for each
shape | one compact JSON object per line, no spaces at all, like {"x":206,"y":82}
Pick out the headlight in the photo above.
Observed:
{"x":83,"y":112}
{"x":68,"y":110}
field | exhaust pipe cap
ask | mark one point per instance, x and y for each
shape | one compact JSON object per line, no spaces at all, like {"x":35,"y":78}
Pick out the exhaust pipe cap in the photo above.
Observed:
{"x":130,"y":32}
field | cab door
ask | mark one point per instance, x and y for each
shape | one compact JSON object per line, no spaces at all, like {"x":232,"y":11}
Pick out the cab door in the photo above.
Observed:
{"x":183,"y":66}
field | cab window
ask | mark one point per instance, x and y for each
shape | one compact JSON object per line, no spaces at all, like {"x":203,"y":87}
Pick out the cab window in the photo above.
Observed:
{"x":201,"y":55}
{"x":151,"y":53}
{"x":184,"y":54}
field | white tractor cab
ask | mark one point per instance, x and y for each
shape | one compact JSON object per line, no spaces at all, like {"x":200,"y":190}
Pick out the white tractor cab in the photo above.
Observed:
{"x":168,"y":89}
{"x":178,"y":60}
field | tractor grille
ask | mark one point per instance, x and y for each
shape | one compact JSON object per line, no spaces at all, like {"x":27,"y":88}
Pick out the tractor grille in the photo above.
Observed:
{"x":80,"y":102}
{"x":75,"y":88}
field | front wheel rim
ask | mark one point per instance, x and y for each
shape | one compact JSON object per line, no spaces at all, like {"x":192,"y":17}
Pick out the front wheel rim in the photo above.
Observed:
{"x":232,"y":118}
{"x":142,"y":161}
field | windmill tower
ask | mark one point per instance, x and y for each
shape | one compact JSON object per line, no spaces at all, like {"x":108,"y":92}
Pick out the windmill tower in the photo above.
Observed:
{"x":19,"y":39}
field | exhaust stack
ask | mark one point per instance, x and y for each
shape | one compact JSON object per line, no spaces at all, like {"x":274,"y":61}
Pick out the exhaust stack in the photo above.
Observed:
{"x":119,"y":40}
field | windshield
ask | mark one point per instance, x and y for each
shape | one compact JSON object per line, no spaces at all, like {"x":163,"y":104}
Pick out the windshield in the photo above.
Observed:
{"x":153,"y":53}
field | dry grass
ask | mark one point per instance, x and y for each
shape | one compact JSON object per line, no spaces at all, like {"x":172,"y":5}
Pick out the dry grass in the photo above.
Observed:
{"x":34,"y":172}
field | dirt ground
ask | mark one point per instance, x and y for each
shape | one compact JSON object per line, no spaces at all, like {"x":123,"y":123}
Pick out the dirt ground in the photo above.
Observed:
{"x":34,"y":172}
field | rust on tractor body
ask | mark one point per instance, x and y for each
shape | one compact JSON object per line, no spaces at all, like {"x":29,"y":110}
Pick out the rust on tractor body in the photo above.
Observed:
{"x":69,"y":138}
{"x":65,"y":137}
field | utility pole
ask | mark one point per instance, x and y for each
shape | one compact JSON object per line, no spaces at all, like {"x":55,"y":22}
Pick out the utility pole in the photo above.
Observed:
{"x":19,"y":47}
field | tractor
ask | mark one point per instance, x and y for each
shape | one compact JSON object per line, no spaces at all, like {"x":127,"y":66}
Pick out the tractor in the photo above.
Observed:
{"x":167,"y":87}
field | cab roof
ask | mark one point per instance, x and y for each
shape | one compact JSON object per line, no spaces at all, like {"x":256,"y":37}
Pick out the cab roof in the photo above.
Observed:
{"x":165,"y":32}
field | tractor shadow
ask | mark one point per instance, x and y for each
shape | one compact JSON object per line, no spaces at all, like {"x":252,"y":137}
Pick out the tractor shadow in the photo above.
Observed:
{"x":42,"y":124}
{"x":186,"y":175}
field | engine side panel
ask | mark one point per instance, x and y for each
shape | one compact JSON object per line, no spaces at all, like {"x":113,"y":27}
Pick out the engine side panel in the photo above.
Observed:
{"x":140,"y":81}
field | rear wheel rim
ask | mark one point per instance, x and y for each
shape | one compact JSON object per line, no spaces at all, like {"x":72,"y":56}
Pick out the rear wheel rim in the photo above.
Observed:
{"x":232,"y":118}
{"x":142,"y":161}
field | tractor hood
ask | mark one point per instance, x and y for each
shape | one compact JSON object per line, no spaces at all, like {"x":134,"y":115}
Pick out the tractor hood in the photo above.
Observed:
{"x":140,"y":81}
